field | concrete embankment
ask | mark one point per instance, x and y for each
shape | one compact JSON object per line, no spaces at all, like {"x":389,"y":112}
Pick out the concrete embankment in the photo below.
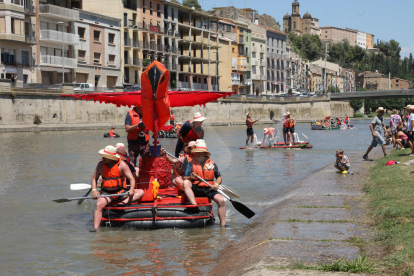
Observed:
{"x":318,"y":220}
{"x":19,"y":109}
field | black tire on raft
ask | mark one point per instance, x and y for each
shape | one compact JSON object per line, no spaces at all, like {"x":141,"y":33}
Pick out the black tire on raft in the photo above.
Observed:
{"x":162,"y":224}
{"x":106,"y":135}
{"x":161,"y":134}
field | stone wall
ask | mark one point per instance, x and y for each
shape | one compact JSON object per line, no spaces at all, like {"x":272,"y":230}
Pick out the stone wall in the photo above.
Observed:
{"x":21,"y":108}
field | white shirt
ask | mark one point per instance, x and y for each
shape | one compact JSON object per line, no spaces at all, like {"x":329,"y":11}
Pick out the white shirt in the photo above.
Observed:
{"x":411,"y":118}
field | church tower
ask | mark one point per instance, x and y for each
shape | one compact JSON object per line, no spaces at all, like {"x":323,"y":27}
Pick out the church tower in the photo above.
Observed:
{"x":295,"y":8}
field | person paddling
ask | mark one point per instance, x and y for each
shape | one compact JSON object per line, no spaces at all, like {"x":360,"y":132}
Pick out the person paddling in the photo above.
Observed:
{"x":249,"y":130}
{"x":190,"y":131}
{"x":112,"y":132}
{"x":114,"y":173}
{"x":205,"y":168}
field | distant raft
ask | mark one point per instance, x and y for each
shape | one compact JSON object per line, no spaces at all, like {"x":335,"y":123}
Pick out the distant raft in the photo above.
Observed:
{"x":106,"y":135}
{"x":301,"y":145}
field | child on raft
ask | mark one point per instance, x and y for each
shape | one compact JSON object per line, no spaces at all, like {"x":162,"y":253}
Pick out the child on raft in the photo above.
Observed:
{"x":342,"y":162}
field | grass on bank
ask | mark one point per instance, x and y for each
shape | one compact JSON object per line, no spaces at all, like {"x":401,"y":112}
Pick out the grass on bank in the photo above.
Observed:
{"x":390,"y":191}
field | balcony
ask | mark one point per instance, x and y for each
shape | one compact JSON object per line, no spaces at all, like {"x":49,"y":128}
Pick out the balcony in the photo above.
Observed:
{"x":55,"y":61}
{"x":57,"y":13}
{"x":254,"y":49}
{"x":30,"y":39}
{"x":182,"y":84}
{"x":235,"y":82}
{"x":56,"y":38}
{"x":255,"y":62}
{"x":132,"y":61}
{"x":241,"y":40}
{"x":256,"y":76}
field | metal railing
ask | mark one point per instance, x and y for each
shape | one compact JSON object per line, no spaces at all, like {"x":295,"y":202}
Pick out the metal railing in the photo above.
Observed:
{"x":58,"y":61}
{"x":67,"y":38}
{"x":183,"y":84}
{"x":60,"y":12}
{"x":30,"y":39}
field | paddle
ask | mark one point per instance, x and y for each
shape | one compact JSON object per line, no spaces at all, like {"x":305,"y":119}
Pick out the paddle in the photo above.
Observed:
{"x":79,"y":186}
{"x":61,"y":200}
{"x":221,"y":187}
{"x":82,"y":199}
{"x":305,"y":136}
{"x":237,"y":205}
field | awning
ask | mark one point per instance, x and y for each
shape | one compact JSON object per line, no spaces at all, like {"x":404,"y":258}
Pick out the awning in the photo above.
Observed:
{"x":11,"y":70}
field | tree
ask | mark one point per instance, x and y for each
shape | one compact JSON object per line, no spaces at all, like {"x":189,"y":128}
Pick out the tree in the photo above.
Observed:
{"x":192,"y":3}
{"x":356,"y":104}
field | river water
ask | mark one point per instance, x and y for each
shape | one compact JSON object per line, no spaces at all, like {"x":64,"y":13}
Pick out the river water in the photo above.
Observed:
{"x":41,"y":237}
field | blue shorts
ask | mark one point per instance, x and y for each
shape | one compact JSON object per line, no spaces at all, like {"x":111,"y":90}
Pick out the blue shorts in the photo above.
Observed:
{"x":379,"y":140}
{"x":343,"y":165}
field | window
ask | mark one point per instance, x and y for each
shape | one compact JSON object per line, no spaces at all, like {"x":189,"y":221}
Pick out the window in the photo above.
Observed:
{"x":228,"y":28}
{"x":294,"y":25}
{"x":150,"y":8}
{"x":97,"y":58}
{"x":16,"y":2}
{"x":111,"y":38}
{"x":2,"y":24}
{"x":172,"y":14}
{"x":158,"y":10}
{"x":111,"y":60}
{"x":12,"y":25}
{"x":81,"y":32}
{"x":144,"y":6}
{"x":96,"y":36}
{"x":81,"y":55}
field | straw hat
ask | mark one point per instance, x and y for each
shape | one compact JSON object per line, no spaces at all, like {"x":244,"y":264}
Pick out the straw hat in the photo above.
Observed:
{"x":109,"y":152}
{"x":380,"y":109}
{"x":265,"y":130}
{"x":120,"y":150}
{"x":201,"y":146}
{"x":409,"y":107}
{"x":190,"y":144}
{"x":198,"y":118}
{"x":247,"y":114}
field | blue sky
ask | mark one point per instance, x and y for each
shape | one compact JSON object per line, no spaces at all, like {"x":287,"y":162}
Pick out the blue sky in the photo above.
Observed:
{"x":384,"y":18}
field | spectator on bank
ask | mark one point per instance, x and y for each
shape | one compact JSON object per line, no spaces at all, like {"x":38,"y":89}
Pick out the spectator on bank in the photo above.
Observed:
{"x":410,"y":128}
{"x":13,"y":80}
{"x":376,"y":125}
{"x":401,"y":138}
{"x":395,"y":121}
{"x":342,"y":162}
{"x":388,"y":136}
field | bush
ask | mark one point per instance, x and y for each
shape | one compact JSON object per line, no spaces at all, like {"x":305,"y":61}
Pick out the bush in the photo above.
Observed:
{"x":359,"y":115}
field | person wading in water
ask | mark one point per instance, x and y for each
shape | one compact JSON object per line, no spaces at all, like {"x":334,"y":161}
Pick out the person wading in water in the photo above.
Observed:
{"x":114,"y":173}
{"x":249,"y":130}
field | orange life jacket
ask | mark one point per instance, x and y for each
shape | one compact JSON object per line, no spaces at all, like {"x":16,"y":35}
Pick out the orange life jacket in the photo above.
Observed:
{"x":133,"y":135}
{"x":205,"y":173}
{"x":172,"y":117}
{"x":289,"y":123}
{"x":111,"y":177}
{"x":346,"y":120}
{"x":192,"y":135}
{"x":111,"y":133}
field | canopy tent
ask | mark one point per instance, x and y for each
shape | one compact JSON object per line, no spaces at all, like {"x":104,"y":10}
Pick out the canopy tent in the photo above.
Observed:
{"x":177,"y":98}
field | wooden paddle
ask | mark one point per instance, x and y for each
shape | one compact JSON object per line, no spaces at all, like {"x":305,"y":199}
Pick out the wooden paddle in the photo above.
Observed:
{"x":61,"y":200}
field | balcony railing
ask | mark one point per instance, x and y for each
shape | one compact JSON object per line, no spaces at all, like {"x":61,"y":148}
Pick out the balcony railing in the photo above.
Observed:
{"x":256,"y":76}
{"x":241,"y":67}
{"x":59,"y":37}
{"x":235,"y":82}
{"x":58,"y":13}
{"x":183,"y":84}
{"x":30,"y":39}
{"x":56,"y":61}
{"x":241,"y":40}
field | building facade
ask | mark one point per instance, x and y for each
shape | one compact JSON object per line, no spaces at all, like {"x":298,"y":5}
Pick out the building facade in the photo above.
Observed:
{"x":276,"y":61}
{"x":17,"y":37}
{"x":315,"y":30}
{"x":258,"y":59}
{"x":334,"y":35}
{"x":295,"y":23}
{"x":99,"y":52}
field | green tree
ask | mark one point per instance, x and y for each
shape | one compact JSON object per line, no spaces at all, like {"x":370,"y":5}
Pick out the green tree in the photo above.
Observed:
{"x":175,"y":1}
{"x":192,"y":3}
{"x":356,"y":104}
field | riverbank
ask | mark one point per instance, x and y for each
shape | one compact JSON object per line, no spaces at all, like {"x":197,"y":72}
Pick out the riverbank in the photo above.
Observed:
{"x":323,"y":219}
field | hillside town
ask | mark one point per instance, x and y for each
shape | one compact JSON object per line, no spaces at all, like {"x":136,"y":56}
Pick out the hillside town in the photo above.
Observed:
{"x":46,"y":43}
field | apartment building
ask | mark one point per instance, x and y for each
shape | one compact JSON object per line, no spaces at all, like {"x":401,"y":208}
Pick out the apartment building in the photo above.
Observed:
{"x":300,"y":73}
{"x":99,"y":52}
{"x":397,"y":84}
{"x":225,"y":65}
{"x":334,"y":35}
{"x":277,"y":56}
{"x":378,"y":81}
{"x":17,"y":36}
{"x":258,"y":58}
{"x":315,"y":30}
{"x":171,"y":37}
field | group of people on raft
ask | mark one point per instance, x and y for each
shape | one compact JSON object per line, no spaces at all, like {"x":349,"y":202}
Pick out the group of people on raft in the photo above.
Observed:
{"x":269,"y":134}
{"x":329,"y":122}
{"x":118,"y":171}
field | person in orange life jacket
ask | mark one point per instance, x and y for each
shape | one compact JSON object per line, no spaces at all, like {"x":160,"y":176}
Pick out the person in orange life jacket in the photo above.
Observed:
{"x":120,"y":150}
{"x":347,"y":121}
{"x":177,"y":164}
{"x":203,"y":166}
{"x":138,"y":137}
{"x":338,"y":121}
{"x":172,"y":118}
{"x":288,"y":128}
{"x":249,"y":130}
{"x":190,"y":131}
{"x":113,"y":172}
{"x":112,"y":132}
{"x":269,"y":137}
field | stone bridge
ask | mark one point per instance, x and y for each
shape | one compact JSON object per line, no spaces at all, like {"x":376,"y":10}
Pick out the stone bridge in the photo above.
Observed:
{"x":381,"y":94}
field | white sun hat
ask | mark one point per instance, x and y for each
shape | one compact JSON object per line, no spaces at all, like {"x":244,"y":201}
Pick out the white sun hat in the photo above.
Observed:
{"x":198,"y":118}
{"x":109,"y":152}
{"x":120,"y":150}
{"x":380,"y":109}
{"x":201,"y":146}
{"x":190,"y":145}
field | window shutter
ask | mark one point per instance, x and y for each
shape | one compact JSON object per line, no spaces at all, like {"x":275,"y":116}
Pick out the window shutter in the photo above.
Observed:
{"x":234,"y":62}
{"x":17,"y":26}
{"x":2,"y":25}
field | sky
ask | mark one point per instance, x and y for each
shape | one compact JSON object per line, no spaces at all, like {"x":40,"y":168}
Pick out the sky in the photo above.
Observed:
{"x":383,"y":18}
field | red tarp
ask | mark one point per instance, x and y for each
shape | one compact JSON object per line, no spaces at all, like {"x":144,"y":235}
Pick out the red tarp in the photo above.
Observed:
{"x":177,"y":98}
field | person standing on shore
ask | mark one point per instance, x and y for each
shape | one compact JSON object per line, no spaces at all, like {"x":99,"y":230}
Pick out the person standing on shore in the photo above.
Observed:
{"x":249,"y":130}
{"x":395,"y":121}
{"x":138,"y":137}
{"x":376,"y":125}
{"x":190,"y":131}
{"x":410,"y":128}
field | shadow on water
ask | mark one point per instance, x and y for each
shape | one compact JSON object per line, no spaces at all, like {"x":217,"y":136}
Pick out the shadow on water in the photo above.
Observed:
{"x":51,"y":238}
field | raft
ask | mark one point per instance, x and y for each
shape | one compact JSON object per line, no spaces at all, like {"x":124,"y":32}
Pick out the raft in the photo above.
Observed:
{"x":321,"y":127}
{"x":170,"y":209}
{"x":106,"y":135}
{"x":301,"y":145}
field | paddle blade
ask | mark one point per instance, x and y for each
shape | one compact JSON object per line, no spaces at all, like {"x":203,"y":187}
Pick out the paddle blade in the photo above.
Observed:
{"x":61,"y":200}
{"x":81,"y":200}
{"x":243,"y":209}
{"x":228,"y":191}
{"x":79,"y":186}
{"x":305,"y":136}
